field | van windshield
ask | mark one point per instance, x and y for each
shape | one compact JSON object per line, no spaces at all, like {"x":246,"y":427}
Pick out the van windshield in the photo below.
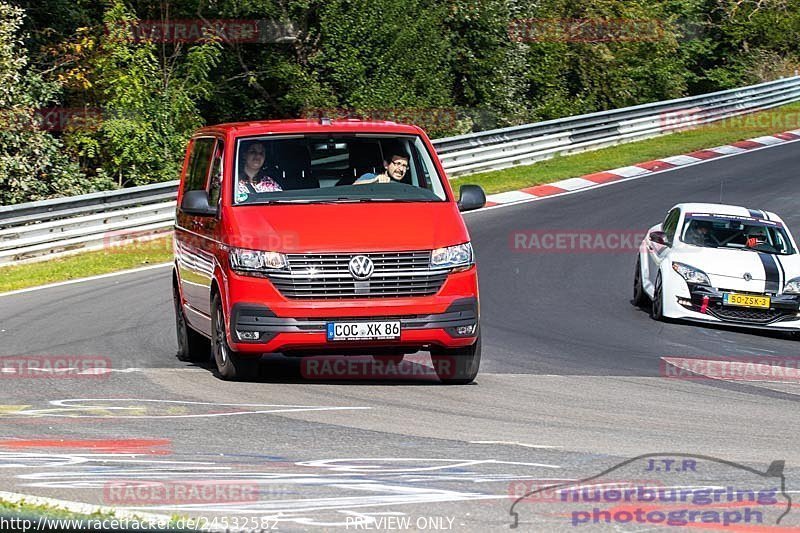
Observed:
{"x":335,"y":168}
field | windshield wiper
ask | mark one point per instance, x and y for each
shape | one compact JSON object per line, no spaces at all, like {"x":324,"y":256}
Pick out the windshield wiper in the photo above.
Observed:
{"x":384,"y":200}
{"x":287,"y":201}
{"x":341,"y":200}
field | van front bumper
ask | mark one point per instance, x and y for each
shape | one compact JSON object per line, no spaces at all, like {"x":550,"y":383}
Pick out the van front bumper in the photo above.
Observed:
{"x":301,"y":335}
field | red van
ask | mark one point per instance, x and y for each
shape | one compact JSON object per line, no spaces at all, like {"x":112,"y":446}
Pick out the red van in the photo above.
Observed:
{"x":310,"y":237}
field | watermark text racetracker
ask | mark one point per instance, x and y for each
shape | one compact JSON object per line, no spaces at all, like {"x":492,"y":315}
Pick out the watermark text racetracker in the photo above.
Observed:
{"x":576,"y":241}
{"x":772,"y":119}
{"x":376,"y":368}
{"x":54,"y":366}
{"x":200,"y":29}
{"x":177,"y":492}
{"x":585,"y":30}
{"x":748,"y":368}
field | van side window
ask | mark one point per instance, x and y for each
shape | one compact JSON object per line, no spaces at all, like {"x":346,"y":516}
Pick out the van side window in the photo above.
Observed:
{"x":215,"y":181}
{"x":199,"y":161}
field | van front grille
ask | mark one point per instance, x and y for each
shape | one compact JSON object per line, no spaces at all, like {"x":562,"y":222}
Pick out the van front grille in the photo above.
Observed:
{"x":328,"y":276}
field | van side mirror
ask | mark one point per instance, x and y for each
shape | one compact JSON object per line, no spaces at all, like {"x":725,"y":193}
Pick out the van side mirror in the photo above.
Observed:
{"x":471,"y":197}
{"x":196,"y":203}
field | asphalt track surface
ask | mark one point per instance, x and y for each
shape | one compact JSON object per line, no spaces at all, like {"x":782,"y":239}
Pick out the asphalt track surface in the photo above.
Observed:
{"x":570,"y":386}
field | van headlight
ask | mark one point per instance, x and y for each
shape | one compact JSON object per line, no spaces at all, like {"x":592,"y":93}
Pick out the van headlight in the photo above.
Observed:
{"x":691,"y":274}
{"x":245,"y":261}
{"x":456,"y":257}
{"x":792,"y":287}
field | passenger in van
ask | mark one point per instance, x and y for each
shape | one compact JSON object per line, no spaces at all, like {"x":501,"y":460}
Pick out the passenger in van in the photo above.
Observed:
{"x":252,"y":177}
{"x":394,"y":170}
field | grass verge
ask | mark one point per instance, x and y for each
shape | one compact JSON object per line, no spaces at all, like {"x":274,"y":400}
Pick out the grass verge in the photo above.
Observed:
{"x":33,"y":510}
{"x":23,"y":510}
{"x":560,"y":167}
{"x":122,"y":257}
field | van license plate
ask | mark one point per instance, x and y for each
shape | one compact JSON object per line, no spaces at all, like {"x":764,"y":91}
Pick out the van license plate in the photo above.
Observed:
{"x":363,"y":331}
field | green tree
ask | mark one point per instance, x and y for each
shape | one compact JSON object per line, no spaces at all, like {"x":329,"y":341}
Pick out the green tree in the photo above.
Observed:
{"x":149,"y":96}
{"x":590,"y":56}
{"x":33,"y":165}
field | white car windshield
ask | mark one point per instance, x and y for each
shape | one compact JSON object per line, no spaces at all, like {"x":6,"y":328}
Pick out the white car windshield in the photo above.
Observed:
{"x":335,"y":168}
{"x":745,"y":233}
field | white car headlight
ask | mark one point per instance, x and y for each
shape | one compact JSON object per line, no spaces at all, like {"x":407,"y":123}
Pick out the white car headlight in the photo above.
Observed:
{"x":793,"y":287}
{"x":452,"y":257}
{"x":691,"y":274}
{"x":243,"y":260}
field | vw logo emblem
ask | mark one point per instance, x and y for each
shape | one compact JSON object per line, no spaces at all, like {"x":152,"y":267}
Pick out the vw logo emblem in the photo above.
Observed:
{"x":747,"y":276}
{"x":361,"y":267}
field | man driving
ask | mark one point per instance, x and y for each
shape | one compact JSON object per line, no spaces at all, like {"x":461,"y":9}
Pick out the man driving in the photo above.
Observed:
{"x":394,"y":169}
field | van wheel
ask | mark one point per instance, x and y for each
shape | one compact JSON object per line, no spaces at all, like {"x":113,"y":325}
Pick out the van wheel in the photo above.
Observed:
{"x":192,"y":346}
{"x":231,"y":365}
{"x":458,"y":366}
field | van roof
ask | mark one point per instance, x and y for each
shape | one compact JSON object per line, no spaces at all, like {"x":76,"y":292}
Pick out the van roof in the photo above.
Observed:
{"x":311,"y":125}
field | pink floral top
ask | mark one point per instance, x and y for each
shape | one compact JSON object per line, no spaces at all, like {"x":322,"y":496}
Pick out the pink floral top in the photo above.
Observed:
{"x":260,"y":183}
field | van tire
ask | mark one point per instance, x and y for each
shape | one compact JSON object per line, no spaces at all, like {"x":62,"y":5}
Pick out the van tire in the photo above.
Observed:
{"x":192,"y":345}
{"x":231,"y":365}
{"x":467,"y":361}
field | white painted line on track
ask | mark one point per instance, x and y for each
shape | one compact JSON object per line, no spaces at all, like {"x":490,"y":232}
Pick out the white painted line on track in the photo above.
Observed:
{"x":81,"y":280}
{"x":76,"y":407}
{"x":514,"y":443}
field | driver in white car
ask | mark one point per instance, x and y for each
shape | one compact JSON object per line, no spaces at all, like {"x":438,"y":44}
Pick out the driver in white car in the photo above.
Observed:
{"x":756,"y":235}
{"x":700,"y":234}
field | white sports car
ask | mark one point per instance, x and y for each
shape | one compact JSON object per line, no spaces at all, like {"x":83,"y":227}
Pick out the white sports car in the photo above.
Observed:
{"x":720,"y":263}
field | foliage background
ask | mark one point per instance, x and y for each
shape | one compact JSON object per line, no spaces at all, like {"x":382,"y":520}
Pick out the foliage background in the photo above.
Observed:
{"x":360,"y":56}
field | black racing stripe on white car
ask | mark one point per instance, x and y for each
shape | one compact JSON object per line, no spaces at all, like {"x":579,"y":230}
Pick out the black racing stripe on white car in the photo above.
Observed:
{"x":782,"y":273}
{"x":771,"y":274}
{"x":755,"y":213}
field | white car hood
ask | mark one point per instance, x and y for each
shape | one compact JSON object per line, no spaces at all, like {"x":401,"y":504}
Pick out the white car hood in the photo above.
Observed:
{"x":728,"y":269}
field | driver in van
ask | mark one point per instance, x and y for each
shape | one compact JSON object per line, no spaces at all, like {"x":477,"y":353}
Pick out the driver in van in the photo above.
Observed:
{"x":394,"y":170}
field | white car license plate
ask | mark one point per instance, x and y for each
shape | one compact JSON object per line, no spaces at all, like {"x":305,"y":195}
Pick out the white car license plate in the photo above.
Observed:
{"x":363,"y":331}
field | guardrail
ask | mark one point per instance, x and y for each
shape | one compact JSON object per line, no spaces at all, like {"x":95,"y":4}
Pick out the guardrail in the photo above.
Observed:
{"x":503,"y":148}
{"x":50,"y":228}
